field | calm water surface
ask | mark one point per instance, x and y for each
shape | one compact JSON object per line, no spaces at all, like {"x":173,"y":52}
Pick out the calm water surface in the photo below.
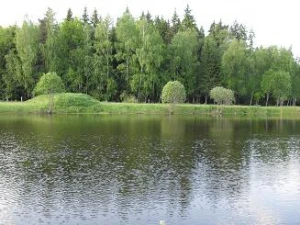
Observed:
{"x":136,"y":170}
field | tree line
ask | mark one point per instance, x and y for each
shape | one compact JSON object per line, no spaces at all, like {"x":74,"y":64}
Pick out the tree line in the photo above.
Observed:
{"x":136,"y":57}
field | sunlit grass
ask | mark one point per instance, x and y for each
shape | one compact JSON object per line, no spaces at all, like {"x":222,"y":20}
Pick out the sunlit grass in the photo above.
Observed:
{"x":67,"y":103}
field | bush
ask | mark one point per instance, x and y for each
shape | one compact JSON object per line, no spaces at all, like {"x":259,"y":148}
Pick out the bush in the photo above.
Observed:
{"x":222,"y":95}
{"x":49,"y":83}
{"x":127,"y":98}
{"x":173,"y":92}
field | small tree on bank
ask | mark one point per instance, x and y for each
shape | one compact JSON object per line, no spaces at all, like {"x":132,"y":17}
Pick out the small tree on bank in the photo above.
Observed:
{"x":222,"y":96}
{"x":49,"y":83}
{"x":276,"y":83}
{"x":173,"y":92}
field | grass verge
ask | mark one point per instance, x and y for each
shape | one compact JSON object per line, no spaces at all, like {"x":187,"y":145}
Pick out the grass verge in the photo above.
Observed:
{"x":70,"y":103}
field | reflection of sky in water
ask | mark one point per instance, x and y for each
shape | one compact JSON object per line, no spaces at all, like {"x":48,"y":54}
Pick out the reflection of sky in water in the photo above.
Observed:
{"x":275,"y":192}
{"x":202,"y":177}
{"x":6,"y":203}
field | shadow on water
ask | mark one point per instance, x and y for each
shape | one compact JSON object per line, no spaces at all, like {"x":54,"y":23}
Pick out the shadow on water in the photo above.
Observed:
{"x":142,"y":169}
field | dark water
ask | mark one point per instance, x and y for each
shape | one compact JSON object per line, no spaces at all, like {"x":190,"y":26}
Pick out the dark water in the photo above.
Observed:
{"x":142,"y":169}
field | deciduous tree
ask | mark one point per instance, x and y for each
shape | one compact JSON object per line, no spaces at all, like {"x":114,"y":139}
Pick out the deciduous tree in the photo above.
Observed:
{"x":173,"y":92}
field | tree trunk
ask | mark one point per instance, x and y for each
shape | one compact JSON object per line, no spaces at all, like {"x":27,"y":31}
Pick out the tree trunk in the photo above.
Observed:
{"x":87,"y":84}
{"x":294,"y":101}
{"x":206,"y":97}
{"x":281,"y":102}
{"x":251,"y":99}
{"x":268,"y":95}
{"x":127,"y":69}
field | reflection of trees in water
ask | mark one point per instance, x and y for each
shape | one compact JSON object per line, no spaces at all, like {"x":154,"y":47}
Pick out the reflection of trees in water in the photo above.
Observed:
{"x":223,"y":160}
{"x":132,"y":164}
{"x":115,"y":164}
{"x":231,"y":148}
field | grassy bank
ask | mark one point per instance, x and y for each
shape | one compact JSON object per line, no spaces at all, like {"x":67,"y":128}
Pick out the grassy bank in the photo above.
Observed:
{"x":80,"y":103}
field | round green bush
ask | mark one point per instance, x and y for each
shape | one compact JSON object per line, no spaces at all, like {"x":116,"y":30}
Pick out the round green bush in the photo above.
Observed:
{"x":49,"y":83}
{"x":173,"y":92}
{"x":222,"y":95}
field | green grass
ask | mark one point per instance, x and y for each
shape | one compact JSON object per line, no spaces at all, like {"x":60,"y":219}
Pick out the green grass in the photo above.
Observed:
{"x":64,"y":103}
{"x":70,"y":103}
{"x":16,"y":107}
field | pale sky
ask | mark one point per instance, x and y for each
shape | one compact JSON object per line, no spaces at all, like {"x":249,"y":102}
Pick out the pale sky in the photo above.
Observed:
{"x":274,"y":22}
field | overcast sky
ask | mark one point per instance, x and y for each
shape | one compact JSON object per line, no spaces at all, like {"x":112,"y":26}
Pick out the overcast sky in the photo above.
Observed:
{"x":274,"y":22}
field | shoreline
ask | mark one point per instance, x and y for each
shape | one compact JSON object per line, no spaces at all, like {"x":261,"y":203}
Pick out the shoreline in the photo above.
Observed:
{"x":71,"y":103}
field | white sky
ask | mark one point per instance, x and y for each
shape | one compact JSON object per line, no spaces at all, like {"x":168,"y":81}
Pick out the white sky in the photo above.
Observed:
{"x":274,"y":22}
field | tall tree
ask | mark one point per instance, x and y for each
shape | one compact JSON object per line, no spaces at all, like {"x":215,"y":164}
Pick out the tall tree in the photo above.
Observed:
{"x":188,"y":21}
{"x":7,"y":36}
{"x":295,"y":81}
{"x":277,"y":83}
{"x":127,"y":41}
{"x":234,"y":67}
{"x":85,"y":16}
{"x":212,"y":48}
{"x":184,"y":60}
{"x":87,"y":50}
{"x":27,"y":49}
{"x":239,"y":31}
{"x":252,"y":77}
{"x":69,"y":15}
{"x":70,"y":64}
{"x":104,"y":85}
{"x":164,"y":29}
{"x":210,"y":62}
{"x":149,"y":56}
{"x":175,"y":23}
{"x":95,"y":19}
{"x":49,"y":46}
{"x":220,"y":33}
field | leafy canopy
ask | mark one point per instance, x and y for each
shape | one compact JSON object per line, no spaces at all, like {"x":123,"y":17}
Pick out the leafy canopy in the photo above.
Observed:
{"x":48,"y":84}
{"x":173,"y":92}
{"x":222,"y":95}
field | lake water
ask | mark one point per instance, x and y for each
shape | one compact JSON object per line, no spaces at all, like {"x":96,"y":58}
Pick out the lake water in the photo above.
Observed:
{"x":137,"y":170}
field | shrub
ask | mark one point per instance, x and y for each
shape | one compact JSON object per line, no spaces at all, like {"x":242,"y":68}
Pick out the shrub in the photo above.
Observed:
{"x":127,"y":98}
{"x":173,"y":92}
{"x":49,"y":83}
{"x":222,"y":95}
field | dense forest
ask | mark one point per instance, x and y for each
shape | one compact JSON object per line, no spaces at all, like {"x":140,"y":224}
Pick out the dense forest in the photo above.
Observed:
{"x":133,"y":58}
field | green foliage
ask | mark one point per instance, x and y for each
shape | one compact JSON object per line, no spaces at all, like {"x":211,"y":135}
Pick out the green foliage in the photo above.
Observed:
{"x":277,"y":83}
{"x":81,"y":103}
{"x":102,"y":87}
{"x":210,"y":66}
{"x":164,"y":29}
{"x":138,"y":56}
{"x":149,"y":57}
{"x":188,"y":21}
{"x":27,"y":49}
{"x":234,"y":66}
{"x":64,"y":103}
{"x":173,"y":92}
{"x":295,"y":81}
{"x":184,"y":63}
{"x":49,"y":83}
{"x":238,"y":31}
{"x":71,"y":51}
{"x":127,"y":98}
{"x":126,"y":43}
{"x":222,"y":96}
{"x":48,"y":48}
